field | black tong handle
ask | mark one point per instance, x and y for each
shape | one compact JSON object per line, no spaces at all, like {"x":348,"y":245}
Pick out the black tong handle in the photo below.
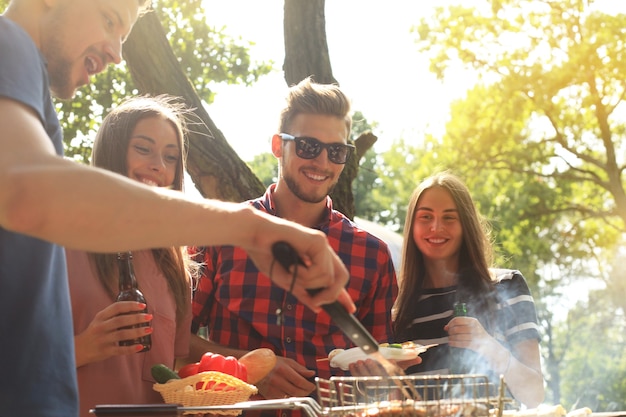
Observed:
{"x":348,"y":323}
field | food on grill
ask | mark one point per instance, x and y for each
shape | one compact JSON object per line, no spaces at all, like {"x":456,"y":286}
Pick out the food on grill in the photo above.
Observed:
{"x":340,"y":358}
{"x":543,"y":411}
{"x":444,"y":408}
{"x":408,"y":408}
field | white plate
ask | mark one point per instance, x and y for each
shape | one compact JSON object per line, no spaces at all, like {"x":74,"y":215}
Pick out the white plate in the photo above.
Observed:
{"x":345,"y":358}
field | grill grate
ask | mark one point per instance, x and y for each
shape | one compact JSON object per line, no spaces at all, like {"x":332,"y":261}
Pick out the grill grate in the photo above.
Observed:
{"x":439,"y":395}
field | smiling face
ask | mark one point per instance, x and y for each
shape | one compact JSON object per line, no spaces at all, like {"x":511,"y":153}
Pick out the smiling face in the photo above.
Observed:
{"x":154,"y":154}
{"x":310,"y":180}
{"x":437,"y":229}
{"x":79,"y":38}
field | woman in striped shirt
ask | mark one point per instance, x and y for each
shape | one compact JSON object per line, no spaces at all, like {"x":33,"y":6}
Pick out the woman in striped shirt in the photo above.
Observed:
{"x":446,"y":259}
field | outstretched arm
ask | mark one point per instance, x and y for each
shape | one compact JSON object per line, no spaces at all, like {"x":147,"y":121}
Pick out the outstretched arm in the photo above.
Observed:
{"x":54,"y":199}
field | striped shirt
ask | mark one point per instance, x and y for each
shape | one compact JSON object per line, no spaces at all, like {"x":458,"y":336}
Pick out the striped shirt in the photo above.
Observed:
{"x":516,"y":320}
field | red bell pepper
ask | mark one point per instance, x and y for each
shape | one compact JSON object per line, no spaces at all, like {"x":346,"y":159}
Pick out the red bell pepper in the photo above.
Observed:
{"x":188,"y":370}
{"x":228,"y":365}
{"x":215,"y":362}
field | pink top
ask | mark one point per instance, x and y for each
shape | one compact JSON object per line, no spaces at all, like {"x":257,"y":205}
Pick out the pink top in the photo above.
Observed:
{"x":126,"y":379}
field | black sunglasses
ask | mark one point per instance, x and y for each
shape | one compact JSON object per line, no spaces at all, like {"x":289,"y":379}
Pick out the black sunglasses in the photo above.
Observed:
{"x":309,"y":148}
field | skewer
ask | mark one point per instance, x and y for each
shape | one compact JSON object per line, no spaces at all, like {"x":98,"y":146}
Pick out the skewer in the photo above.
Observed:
{"x":501,"y":397}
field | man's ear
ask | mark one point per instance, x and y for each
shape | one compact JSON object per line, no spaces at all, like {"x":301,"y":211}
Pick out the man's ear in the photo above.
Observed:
{"x":277,"y":146}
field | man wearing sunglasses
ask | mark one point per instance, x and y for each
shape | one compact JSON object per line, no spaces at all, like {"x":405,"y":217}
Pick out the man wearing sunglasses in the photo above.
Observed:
{"x":243,"y":310}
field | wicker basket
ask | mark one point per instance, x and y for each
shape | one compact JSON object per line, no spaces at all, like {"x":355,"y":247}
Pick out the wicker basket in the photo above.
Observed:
{"x":204,"y":389}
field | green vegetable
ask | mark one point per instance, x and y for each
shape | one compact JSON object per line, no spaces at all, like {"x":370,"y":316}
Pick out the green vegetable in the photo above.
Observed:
{"x":162,"y":373}
{"x":395,"y":346}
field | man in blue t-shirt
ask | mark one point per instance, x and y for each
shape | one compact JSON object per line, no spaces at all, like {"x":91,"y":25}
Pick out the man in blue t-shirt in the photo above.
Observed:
{"x":36,"y":334}
{"x":47,"y":202}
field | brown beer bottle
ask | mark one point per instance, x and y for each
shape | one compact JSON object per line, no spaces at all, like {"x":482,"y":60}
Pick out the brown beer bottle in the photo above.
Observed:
{"x":130,"y":292}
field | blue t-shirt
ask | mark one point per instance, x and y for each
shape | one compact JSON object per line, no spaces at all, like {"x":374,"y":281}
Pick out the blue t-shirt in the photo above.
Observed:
{"x":36,"y":336}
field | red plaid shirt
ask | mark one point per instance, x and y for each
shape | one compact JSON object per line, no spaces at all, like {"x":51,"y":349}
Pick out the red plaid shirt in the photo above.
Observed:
{"x":238,"y":303}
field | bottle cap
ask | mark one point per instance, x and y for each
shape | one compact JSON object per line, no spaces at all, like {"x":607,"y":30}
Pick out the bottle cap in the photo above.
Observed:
{"x":460,"y":309}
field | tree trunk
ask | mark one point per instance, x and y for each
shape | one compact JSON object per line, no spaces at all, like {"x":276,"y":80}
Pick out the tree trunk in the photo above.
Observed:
{"x":306,"y":54}
{"x":215,"y":168}
{"x":306,"y":49}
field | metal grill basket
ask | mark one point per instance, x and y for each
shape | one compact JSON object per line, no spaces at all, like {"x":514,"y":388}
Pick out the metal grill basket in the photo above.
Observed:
{"x":439,"y":395}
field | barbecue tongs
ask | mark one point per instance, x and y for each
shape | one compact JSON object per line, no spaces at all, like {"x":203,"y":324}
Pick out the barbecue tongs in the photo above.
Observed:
{"x":348,"y":323}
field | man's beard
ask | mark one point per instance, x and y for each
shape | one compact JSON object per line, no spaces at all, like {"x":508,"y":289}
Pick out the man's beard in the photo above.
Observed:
{"x":59,"y":67}
{"x":308,"y":198}
{"x":59,"y":71}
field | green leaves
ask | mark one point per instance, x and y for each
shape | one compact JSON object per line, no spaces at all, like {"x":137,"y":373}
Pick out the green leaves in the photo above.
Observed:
{"x":540,"y":141}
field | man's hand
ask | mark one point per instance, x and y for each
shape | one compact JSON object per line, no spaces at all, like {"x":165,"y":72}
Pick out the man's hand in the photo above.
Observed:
{"x":322,"y":267}
{"x":467,"y":332}
{"x":287,"y":379}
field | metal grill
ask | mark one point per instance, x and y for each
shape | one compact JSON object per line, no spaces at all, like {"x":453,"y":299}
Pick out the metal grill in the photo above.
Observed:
{"x":439,"y":395}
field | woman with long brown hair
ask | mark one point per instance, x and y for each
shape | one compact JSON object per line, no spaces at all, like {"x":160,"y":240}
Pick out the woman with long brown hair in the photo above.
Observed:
{"x":143,"y":139}
{"x":447,"y":259}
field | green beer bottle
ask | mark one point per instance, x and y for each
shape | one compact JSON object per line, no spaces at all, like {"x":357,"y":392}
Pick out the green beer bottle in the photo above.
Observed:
{"x":457,"y":354}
